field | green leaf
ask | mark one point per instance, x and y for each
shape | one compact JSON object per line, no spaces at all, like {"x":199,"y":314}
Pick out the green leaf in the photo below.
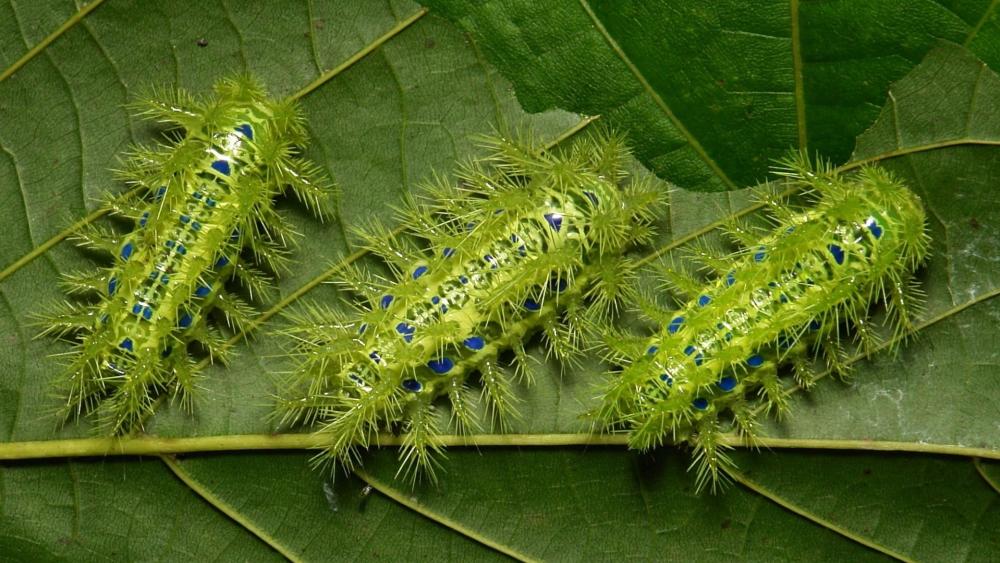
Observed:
{"x":711,"y":92}
{"x":113,"y":510}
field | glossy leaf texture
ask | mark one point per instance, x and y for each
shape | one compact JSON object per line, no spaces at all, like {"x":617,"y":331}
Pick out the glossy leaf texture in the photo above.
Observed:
{"x":709,"y":91}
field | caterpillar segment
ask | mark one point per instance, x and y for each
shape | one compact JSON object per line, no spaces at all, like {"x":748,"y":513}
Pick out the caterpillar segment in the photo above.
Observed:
{"x":775,"y":308}
{"x":527,"y":241}
{"x":203,"y":214}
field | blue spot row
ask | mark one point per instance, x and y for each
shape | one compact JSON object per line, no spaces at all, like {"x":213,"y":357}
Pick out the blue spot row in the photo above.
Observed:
{"x":727,"y":383}
{"x":836,"y":252}
{"x":555,"y":220}
{"x":246,"y":130}
{"x":406,"y":330}
{"x":127,"y":250}
{"x":474,"y":343}
{"x":222,"y":167}
{"x":143,"y":311}
{"x":489,"y":259}
{"x":874,"y":227}
{"x":665,"y":377}
{"x":441,"y":365}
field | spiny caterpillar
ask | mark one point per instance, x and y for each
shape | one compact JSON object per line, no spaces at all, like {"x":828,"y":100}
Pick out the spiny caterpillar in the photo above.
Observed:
{"x":527,"y":241}
{"x":771,"y":307}
{"x":204,"y":206}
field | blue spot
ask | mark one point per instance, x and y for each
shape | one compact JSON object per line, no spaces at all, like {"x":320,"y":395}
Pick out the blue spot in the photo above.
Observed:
{"x":181,"y":249}
{"x":164,"y":279}
{"x":184,"y":321}
{"x":412,"y":385}
{"x":362,"y":328}
{"x":374,"y":356}
{"x":222,"y":262}
{"x":169,"y":243}
{"x":246,"y":130}
{"x":772,"y":284}
{"x":126,"y":344}
{"x":222,"y":167}
{"x":136,"y":309}
{"x":441,"y":365}
{"x":127,"y":251}
{"x":675,"y":325}
{"x":147,"y":313}
{"x":837,"y":252}
{"x":491,"y":261}
{"x":727,"y":383}
{"x":874,"y":227}
{"x":652,"y":350}
{"x":152,"y":276}
{"x":689,"y":350}
{"x":729,"y":336}
{"x":196,"y":226}
{"x":591,"y":197}
{"x":112,"y":286}
{"x":814,"y":324}
{"x":474,"y":342}
{"x":755,"y":361}
{"x":144,"y":219}
{"x":789,"y":230}
{"x":783,"y":298}
{"x":760,"y":255}
{"x":386,"y":301}
{"x":406,"y":330}
{"x":160,"y":193}
{"x":699,"y":359}
{"x":185,"y":219}
{"x":202,"y":291}
{"x":701,"y":403}
{"x":522,"y":250}
{"x":166,"y":351}
{"x":448,"y":252}
{"x":435,"y":300}
{"x":532,"y":305}
{"x":514,"y":238}
{"x":558,"y":285}
{"x":444,"y":308}
{"x":730,"y":279}
{"x":470,"y":226}
{"x":554,"y":220}
{"x":421,"y":270}
{"x":704,"y":300}
{"x":665,"y":377}
{"x":463,"y":280}
{"x":197,"y":195}
{"x":210,"y":202}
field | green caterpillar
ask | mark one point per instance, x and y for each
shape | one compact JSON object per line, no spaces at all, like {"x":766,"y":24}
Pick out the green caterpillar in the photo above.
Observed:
{"x":527,"y":241}
{"x":771,"y":308}
{"x":203,"y":213}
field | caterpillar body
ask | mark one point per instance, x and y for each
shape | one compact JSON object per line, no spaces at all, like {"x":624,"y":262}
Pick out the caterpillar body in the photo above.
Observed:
{"x":203,"y":213}
{"x":771,"y":308}
{"x":527,"y":241}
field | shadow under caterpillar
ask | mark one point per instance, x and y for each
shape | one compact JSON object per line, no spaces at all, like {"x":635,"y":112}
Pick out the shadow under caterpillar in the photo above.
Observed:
{"x":203,"y":214}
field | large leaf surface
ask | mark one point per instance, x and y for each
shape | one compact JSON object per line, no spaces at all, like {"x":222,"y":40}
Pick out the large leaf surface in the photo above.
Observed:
{"x":769,"y":78}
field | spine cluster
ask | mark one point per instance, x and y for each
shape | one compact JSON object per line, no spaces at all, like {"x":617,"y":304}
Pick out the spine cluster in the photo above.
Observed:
{"x":526,"y":241}
{"x":203,"y":215}
{"x":772,"y":308}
